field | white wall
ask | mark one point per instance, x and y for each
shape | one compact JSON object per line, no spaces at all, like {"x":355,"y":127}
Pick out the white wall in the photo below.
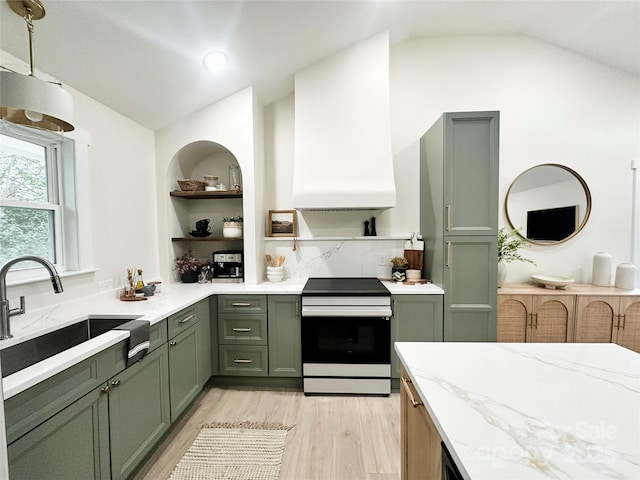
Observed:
{"x":229,"y":123}
{"x":556,"y":107}
{"x":121,"y":202}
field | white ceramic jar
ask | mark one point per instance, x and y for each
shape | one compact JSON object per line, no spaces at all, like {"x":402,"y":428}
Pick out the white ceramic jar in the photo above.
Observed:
{"x":601,"y":275}
{"x":275,"y":274}
{"x":626,"y":276}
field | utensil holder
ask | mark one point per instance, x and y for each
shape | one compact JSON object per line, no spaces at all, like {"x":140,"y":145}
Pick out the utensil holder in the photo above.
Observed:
{"x":275,"y":274}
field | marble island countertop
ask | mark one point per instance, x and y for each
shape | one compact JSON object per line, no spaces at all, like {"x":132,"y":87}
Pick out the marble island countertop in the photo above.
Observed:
{"x":174,"y":297}
{"x":532,"y":411}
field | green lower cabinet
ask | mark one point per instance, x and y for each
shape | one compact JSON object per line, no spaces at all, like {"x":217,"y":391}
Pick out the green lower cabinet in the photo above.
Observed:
{"x":416,"y":318}
{"x":184,"y":369}
{"x":470,"y":309}
{"x":138,"y":411}
{"x":71,"y":445}
{"x":285,"y":347}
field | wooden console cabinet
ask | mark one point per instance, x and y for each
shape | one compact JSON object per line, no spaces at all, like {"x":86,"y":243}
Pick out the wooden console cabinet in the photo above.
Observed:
{"x":580,"y":313}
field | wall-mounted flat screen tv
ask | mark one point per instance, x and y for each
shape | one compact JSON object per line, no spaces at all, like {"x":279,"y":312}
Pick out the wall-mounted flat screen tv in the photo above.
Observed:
{"x":552,"y":224}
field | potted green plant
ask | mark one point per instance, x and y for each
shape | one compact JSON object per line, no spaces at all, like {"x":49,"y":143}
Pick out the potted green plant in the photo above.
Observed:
{"x":188,"y":267}
{"x":509,"y":244}
{"x":399,"y":268}
{"x":232,"y":227}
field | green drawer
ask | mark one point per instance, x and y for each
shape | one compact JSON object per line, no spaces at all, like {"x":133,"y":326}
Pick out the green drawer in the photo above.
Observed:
{"x":244,"y":360}
{"x":182,"y":320}
{"x":248,"y":329}
{"x":242,"y":303}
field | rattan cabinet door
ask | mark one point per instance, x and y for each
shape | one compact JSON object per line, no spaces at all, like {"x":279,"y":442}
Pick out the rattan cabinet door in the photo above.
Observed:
{"x":514,"y":316}
{"x":596,"y":318}
{"x":552,"y":320}
{"x":628,"y":332}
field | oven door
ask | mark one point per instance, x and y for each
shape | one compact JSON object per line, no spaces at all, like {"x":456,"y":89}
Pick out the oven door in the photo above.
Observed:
{"x":346,"y":340}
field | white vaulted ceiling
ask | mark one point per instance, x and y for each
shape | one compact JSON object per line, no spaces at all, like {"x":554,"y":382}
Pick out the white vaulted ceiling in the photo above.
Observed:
{"x":143,"y":57}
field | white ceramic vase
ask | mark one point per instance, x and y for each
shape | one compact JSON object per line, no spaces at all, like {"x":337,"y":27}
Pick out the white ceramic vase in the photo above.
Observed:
{"x":502,"y":272}
{"x":626,"y":276}
{"x":601,"y":275}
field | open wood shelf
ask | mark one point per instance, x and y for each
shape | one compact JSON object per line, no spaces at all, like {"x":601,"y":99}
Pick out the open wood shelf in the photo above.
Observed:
{"x":205,"y":239}
{"x":205,"y":194}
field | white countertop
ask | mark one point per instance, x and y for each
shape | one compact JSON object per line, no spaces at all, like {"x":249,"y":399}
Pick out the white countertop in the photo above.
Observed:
{"x":532,"y":411}
{"x":172,"y":299}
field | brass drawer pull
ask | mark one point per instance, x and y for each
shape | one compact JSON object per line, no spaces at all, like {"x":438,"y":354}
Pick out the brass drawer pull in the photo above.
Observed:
{"x":414,"y":402}
{"x":186,"y":319}
{"x":239,"y":329}
{"x":241,"y":304}
{"x":243,"y":360}
{"x":448,"y":209}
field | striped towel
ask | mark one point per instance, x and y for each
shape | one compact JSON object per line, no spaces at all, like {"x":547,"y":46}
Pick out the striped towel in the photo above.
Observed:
{"x":138,"y":340}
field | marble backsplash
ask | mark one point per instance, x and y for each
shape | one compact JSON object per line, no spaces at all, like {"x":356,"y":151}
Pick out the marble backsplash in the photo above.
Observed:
{"x":339,"y":257}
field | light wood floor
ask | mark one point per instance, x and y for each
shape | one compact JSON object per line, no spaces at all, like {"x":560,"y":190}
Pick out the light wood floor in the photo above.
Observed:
{"x":334,"y":437}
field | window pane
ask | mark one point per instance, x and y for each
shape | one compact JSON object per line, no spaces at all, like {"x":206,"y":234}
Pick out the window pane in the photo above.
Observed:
{"x":26,"y":231}
{"x":23,"y":170}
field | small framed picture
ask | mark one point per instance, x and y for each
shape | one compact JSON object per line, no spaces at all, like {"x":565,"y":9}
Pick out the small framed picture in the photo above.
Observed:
{"x":282,"y":223}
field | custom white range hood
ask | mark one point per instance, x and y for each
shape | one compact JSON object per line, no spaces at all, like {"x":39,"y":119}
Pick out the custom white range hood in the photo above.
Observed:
{"x":342,"y":157}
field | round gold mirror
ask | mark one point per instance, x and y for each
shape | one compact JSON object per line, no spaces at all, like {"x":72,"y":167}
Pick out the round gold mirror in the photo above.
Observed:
{"x":548,"y":204}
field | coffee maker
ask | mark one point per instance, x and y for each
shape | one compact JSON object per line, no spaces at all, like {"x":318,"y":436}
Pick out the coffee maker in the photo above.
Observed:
{"x":228,"y":266}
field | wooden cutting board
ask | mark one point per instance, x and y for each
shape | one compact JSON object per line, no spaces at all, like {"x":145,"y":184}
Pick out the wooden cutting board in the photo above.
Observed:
{"x":414,"y":253}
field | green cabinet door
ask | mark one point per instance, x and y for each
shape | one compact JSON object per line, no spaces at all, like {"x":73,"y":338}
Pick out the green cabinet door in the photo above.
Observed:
{"x":213,"y":334}
{"x":71,"y":445}
{"x":285,"y":345}
{"x":184,"y":369}
{"x":416,"y":318}
{"x":471,"y":143}
{"x":470,"y":312}
{"x":138,"y":411}
{"x":204,"y":339}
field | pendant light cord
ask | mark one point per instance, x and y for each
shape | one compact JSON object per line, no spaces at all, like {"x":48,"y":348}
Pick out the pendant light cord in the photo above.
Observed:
{"x":29,"y":19}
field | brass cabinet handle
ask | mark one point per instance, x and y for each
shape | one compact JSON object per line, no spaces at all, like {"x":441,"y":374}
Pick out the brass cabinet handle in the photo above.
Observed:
{"x":243,"y":360}
{"x":241,"y":329}
{"x":187,"y":318}
{"x":530,"y":322}
{"x":115,"y":383}
{"x":623,"y":318}
{"x":105,"y":389}
{"x":449,"y":254}
{"x":536,"y":316}
{"x":173,"y":343}
{"x":448,"y":209}
{"x":241,"y":304}
{"x":405,"y":384}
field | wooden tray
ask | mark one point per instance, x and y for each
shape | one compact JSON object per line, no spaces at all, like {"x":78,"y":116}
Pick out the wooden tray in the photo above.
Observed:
{"x":132,"y":299}
{"x":421,"y":281}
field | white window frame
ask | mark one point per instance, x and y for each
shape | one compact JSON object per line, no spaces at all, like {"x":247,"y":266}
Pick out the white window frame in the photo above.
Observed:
{"x":72,"y":227}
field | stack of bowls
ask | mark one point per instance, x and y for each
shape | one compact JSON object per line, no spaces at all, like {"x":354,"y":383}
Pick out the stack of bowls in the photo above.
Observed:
{"x":275,"y":274}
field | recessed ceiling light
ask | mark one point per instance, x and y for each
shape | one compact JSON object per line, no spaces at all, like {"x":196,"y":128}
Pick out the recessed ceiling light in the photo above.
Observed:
{"x":215,"y":61}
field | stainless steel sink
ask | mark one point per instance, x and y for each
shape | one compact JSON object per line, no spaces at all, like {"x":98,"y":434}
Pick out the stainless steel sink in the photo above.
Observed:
{"x":30,"y":352}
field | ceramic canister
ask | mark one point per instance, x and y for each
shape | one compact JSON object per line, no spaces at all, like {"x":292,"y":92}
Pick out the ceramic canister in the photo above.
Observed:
{"x":601,"y":275}
{"x":626,"y":276}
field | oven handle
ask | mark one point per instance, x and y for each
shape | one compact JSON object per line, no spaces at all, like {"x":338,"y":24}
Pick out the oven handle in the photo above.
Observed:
{"x":337,"y":311}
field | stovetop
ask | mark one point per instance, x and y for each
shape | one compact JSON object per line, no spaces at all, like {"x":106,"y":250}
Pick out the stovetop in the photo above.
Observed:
{"x":344,"y":286}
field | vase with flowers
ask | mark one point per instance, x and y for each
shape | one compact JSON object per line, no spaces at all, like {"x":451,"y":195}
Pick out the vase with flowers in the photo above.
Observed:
{"x":188,"y":267}
{"x":509,"y":244}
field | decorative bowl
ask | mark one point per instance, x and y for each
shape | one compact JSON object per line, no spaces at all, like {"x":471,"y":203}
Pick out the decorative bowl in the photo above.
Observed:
{"x":552,"y":281}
